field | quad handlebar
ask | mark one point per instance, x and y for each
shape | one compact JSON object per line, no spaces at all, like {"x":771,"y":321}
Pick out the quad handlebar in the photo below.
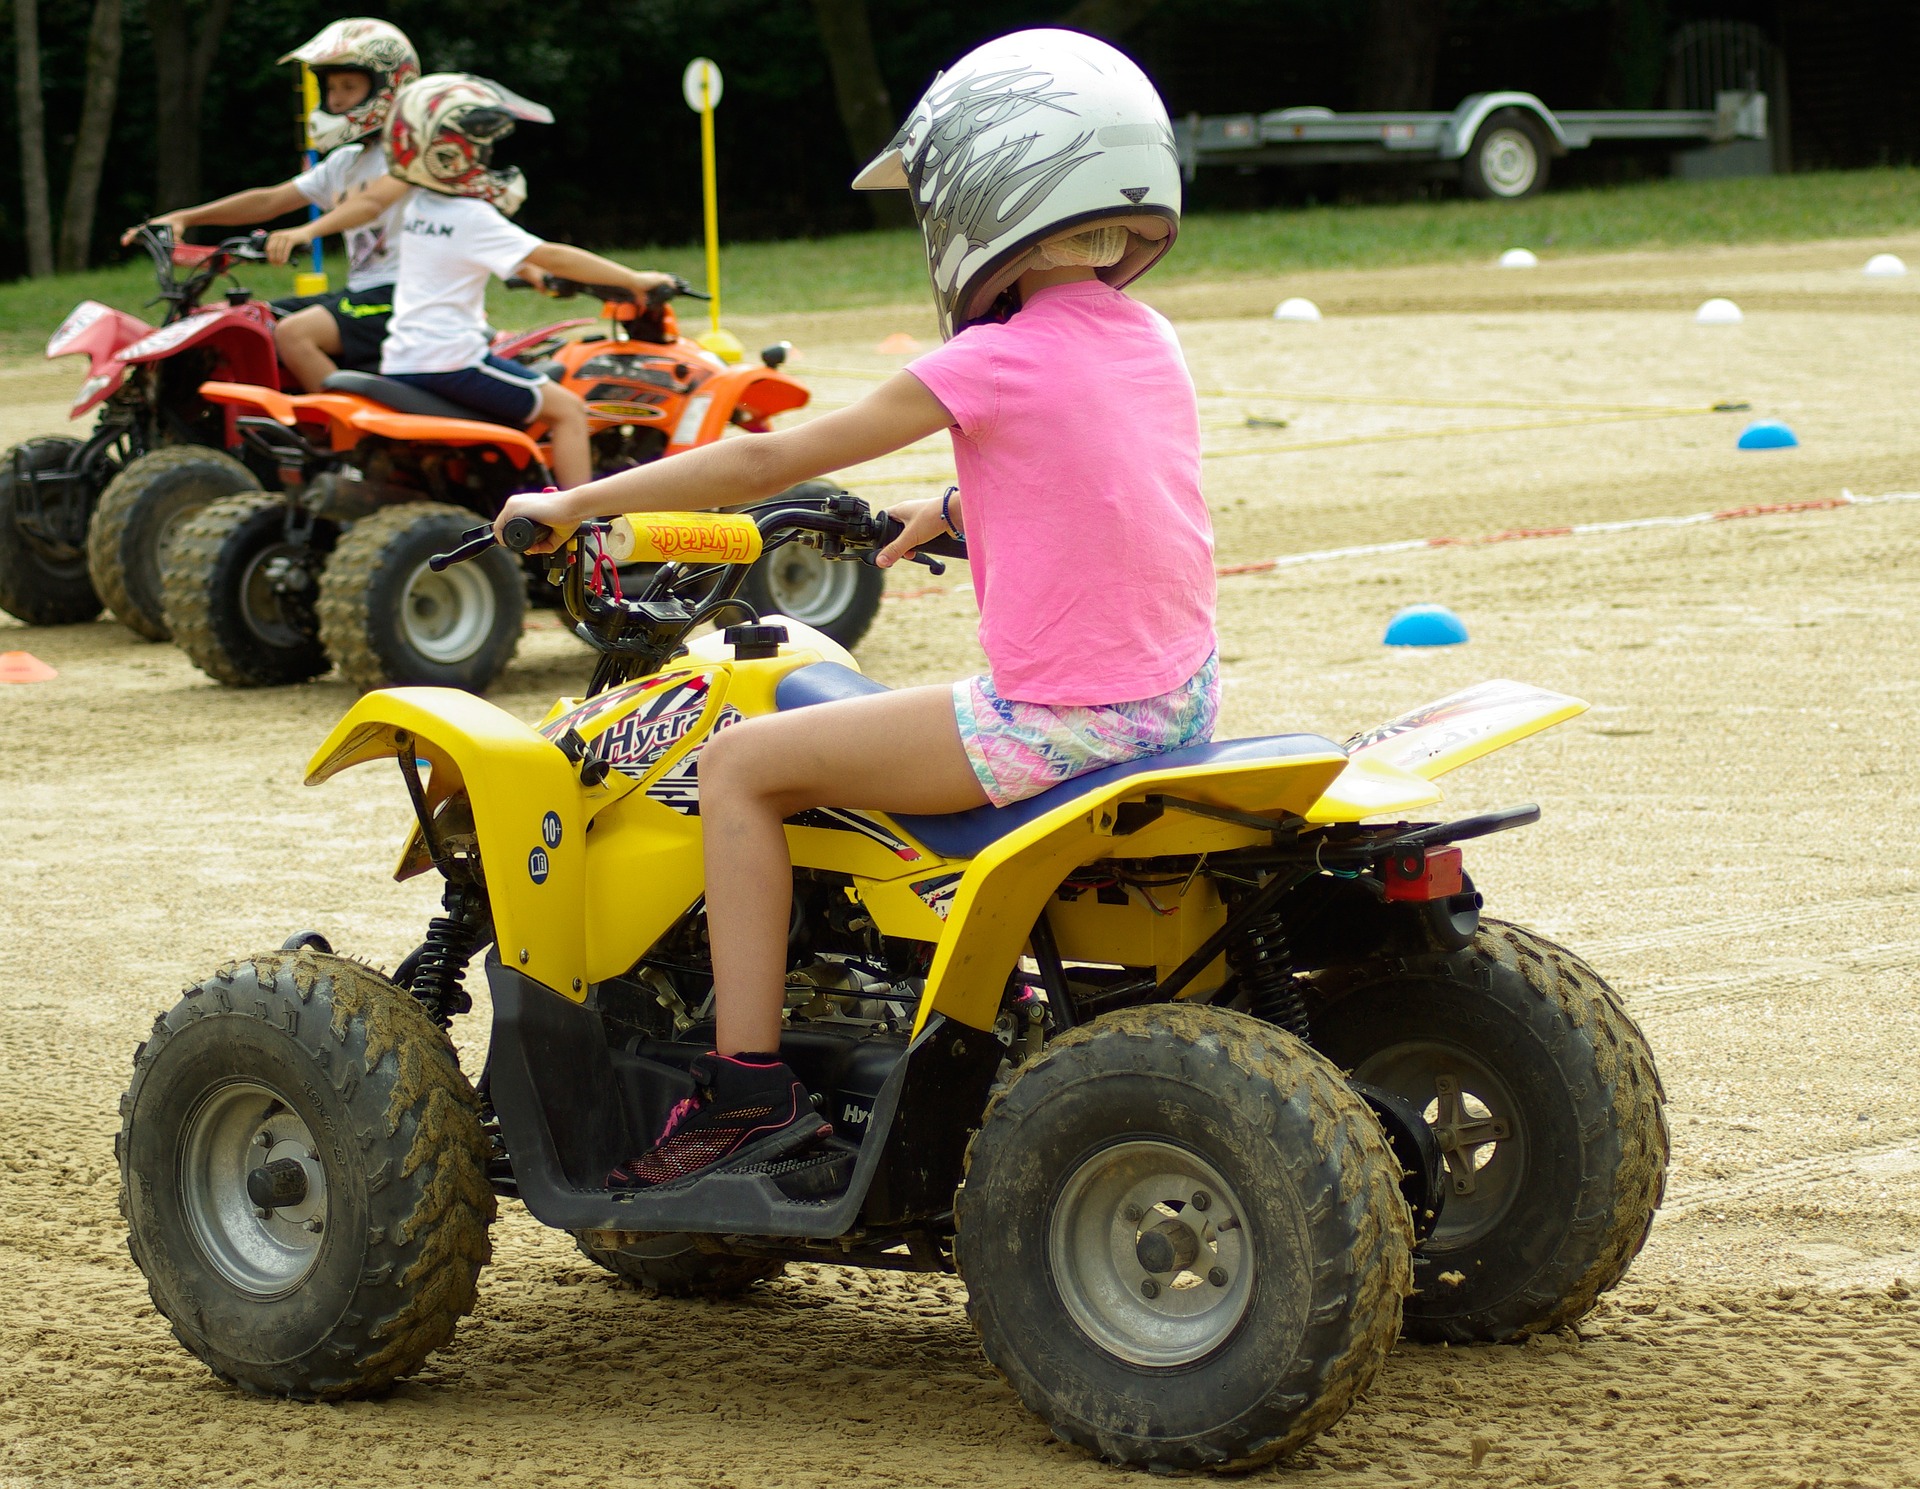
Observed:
{"x":635,"y":636}
{"x":615,"y":294}
{"x":208,"y":263}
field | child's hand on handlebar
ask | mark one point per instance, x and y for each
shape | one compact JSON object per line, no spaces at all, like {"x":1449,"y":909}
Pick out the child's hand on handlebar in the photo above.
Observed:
{"x":920,"y":523}
{"x":548,"y":508}
{"x":168,"y":222}
{"x":281,"y":245}
{"x":645,"y":281}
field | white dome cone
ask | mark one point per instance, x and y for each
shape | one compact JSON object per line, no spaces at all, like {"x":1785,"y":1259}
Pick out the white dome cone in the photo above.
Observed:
{"x":1519,"y":258}
{"x":1885,"y":266}
{"x":1718,"y":312}
{"x":1296,"y":309}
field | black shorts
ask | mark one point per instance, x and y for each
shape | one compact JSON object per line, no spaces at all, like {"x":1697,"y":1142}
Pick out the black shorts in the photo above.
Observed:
{"x":362,"y":317}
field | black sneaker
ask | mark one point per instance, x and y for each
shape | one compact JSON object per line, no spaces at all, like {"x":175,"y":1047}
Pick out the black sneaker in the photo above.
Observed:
{"x":744,"y":1109}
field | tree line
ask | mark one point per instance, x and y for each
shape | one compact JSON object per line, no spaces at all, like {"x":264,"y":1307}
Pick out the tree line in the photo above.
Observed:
{"x":125,"y":107}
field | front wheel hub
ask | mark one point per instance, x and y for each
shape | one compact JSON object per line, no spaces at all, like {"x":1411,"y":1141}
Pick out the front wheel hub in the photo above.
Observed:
{"x":1150,"y":1253}
{"x":254,"y":1189}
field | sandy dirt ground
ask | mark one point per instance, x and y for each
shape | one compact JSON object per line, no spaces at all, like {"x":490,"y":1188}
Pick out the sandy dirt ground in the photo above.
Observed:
{"x":1728,"y":835}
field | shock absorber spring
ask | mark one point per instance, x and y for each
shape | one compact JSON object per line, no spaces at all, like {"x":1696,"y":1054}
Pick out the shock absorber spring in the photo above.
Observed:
{"x":1263,"y":960}
{"x":433,"y":972}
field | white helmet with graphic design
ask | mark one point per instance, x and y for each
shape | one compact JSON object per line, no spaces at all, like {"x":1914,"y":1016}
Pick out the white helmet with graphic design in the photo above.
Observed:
{"x":358,"y":44}
{"x":443,"y":131}
{"x":1021,"y":154}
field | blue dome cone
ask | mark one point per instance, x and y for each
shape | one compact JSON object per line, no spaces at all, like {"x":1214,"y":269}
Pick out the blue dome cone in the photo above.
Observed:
{"x":1426,"y":625}
{"x":1767,"y":434}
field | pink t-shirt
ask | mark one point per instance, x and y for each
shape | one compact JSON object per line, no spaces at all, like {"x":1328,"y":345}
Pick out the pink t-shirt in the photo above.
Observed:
{"x":1077,"y":441}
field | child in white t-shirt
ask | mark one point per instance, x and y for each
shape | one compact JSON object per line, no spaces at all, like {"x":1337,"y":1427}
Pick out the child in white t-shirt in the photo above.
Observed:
{"x":454,"y":235}
{"x":318,"y":334}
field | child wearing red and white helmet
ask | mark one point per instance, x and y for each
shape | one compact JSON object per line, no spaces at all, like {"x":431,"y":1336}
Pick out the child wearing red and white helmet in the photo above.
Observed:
{"x":1043,"y":173}
{"x":454,"y":207}
{"x":361,"y":63}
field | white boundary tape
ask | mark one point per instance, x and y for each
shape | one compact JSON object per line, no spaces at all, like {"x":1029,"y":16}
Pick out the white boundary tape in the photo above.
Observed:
{"x":1573,"y":530}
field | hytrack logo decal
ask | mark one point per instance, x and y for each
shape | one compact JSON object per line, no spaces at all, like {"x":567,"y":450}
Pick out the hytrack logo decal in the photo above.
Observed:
{"x":538,"y":865}
{"x":634,"y":743}
{"x":679,"y":785}
{"x":550,"y":829}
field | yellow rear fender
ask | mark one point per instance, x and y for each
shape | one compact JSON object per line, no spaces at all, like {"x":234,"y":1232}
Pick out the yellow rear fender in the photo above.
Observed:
{"x":529,"y":812}
{"x":1463,"y":726}
{"x":1003,"y":890}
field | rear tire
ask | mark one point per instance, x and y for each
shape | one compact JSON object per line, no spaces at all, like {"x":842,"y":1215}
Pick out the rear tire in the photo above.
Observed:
{"x":1103,"y":1279}
{"x":138,"y":513}
{"x":673,"y":1266}
{"x":318,"y":1065}
{"x":1558,"y":1199}
{"x":228,"y":601}
{"x":41,"y":583}
{"x":1508,"y":158}
{"x":388,"y":620}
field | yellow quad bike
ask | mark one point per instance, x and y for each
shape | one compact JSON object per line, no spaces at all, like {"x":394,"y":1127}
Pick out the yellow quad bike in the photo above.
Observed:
{"x":1203,"y":1071}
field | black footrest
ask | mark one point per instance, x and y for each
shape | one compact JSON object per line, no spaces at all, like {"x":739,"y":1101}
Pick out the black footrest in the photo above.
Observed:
{"x":819,"y":1173}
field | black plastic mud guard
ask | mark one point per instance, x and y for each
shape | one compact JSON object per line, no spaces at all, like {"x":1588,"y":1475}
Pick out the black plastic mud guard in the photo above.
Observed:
{"x":553,"y":1087}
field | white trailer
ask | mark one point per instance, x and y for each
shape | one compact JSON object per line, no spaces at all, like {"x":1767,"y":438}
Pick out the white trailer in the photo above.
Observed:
{"x":1499,"y":143}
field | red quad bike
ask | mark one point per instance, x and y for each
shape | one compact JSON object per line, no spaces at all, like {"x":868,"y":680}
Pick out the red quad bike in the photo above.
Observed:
{"x":375,"y":477}
{"x":82,"y":520}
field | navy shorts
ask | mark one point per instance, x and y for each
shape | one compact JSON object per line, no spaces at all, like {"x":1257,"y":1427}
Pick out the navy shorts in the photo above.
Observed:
{"x":501,"y":391}
{"x":360,"y":315}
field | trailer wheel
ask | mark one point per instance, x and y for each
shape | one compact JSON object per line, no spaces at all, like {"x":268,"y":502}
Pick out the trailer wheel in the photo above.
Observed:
{"x":1508,"y":158}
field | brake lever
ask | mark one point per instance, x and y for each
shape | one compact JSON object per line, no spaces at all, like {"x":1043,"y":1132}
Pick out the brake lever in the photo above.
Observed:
{"x":473,"y":542}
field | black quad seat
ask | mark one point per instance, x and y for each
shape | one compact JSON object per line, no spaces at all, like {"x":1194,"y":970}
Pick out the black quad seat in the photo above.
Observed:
{"x":404,"y":397}
{"x":966,"y":834}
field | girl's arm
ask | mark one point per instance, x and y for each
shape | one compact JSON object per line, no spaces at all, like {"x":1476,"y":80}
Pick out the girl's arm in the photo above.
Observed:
{"x":733,"y":472}
{"x":568,"y":262}
{"x":257,"y":204}
{"x":356,"y":211}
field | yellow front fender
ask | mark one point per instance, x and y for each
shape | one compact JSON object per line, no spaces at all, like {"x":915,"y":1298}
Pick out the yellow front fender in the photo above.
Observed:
{"x":530,"y":813}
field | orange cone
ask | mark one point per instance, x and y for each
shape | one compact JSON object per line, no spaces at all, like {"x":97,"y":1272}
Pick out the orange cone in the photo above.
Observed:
{"x":898,"y":345}
{"x":24,"y":666}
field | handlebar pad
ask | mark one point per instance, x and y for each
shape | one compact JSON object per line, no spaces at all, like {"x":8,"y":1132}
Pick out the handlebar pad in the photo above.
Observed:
{"x":521,"y":533}
{"x":943,"y":546}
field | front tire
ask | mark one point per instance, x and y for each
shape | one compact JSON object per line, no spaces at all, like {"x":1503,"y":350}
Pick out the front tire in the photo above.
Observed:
{"x":1183,"y":1239}
{"x":1546,"y":1103}
{"x":139,"y":512}
{"x":672,"y":1265}
{"x":388,"y":620}
{"x":42,"y":582}
{"x":303,"y":1177}
{"x":238,"y":594}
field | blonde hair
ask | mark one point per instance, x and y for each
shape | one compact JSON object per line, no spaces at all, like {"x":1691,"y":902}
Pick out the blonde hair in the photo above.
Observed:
{"x":1088,"y":248}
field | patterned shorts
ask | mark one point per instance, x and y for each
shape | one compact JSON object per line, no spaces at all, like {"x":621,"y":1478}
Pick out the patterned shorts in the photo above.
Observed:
{"x":1020,"y":749}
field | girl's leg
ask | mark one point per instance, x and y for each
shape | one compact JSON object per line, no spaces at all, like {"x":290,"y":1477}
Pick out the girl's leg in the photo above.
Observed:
{"x":566,"y":420}
{"x":308,"y":342}
{"x":893,"y":752}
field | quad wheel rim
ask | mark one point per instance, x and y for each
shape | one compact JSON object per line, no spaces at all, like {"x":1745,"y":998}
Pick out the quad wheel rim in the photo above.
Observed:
{"x":1475,"y":1119}
{"x":242,"y":1132}
{"x":448,"y":617}
{"x":263,"y":604}
{"x":1150,"y":1253}
{"x":1509,"y":161}
{"x":809,"y":588}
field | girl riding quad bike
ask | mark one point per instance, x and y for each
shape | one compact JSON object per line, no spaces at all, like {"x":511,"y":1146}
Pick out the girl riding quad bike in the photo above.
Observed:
{"x":374,"y":476}
{"x":81,"y":521}
{"x":1204,"y":1071}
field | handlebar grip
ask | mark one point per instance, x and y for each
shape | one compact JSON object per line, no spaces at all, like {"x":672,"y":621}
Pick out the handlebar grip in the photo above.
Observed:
{"x":521,"y":533}
{"x":944,"y":546}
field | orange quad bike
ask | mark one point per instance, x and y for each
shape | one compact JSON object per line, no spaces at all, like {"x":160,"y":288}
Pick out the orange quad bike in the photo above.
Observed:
{"x":377,"y":476}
